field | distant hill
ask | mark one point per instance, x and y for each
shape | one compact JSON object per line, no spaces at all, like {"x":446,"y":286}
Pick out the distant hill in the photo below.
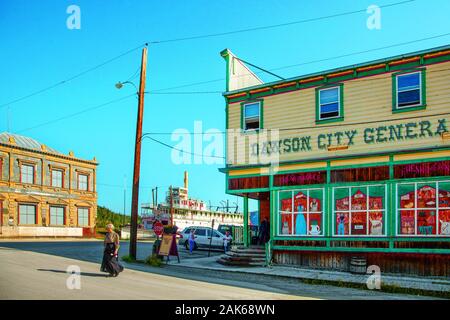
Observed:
{"x":105,"y":216}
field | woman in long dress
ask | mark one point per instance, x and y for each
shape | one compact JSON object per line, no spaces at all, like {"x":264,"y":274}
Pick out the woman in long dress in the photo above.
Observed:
{"x":110,"y":261}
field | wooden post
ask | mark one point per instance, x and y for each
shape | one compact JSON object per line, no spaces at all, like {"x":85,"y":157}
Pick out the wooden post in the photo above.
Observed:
{"x":171,"y":206}
{"x":137,"y":157}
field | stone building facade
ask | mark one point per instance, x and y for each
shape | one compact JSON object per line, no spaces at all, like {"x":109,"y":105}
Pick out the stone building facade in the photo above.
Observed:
{"x":44,"y":193}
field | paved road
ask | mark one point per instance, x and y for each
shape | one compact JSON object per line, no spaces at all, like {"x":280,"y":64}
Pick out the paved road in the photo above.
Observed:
{"x":20,"y":277}
{"x":41,"y":276}
{"x":93,"y":250}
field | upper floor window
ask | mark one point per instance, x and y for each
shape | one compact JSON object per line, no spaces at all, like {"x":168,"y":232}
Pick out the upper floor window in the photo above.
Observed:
{"x":27,"y":173}
{"x":83,"y":181}
{"x":409,"y":90}
{"x":329,"y":103}
{"x":252,"y":116}
{"x":57,"y":178}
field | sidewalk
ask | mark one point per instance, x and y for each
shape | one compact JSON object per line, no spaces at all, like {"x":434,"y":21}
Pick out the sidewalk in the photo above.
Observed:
{"x":430,"y":285}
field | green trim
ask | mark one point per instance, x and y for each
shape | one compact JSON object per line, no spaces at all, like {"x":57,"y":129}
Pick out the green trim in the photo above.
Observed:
{"x":246,"y":239}
{"x":341,"y":103}
{"x":226,"y":55}
{"x":352,"y":249}
{"x":346,"y":157}
{"x":354,"y":75}
{"x":423,"y":105}
{"x":261,"y":115}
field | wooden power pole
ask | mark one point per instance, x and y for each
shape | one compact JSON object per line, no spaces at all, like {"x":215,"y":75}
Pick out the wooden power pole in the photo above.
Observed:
{"x":171,"y":206}
{"x":137,"y":157}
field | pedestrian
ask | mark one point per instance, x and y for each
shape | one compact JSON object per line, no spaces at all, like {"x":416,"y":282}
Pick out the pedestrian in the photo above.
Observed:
{"x":264,"y":231}
{"x":110,"y":263}
{"x":192,"y":237}
{"x":227,"y":241}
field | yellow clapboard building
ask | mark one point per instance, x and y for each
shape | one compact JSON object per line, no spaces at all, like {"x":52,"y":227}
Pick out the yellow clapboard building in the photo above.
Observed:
{"x":44,"y":193}
{"x":346,"y":163}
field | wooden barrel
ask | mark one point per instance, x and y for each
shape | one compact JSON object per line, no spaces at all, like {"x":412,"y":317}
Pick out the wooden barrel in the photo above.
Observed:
{"x":358,"y":265}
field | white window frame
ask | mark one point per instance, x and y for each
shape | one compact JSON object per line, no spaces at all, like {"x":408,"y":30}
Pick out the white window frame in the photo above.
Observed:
{"x":20,"y":206}
{"x":22,"y":175}
{"x":60,"y":171}
{"x":367,"y":211}
{"x":87,"y":182}
{"x":398,"y":91}
{"x":292,"y":213}
{"x":436,"y":208}
{"x":244,"y":118}
{"x":63,"y":215}
{"x":338,"y":101}
{"x":87,"y":217}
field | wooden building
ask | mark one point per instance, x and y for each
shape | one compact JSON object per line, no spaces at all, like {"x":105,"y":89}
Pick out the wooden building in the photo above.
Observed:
{"x":349,"y":162}
{"x":44,"y":193}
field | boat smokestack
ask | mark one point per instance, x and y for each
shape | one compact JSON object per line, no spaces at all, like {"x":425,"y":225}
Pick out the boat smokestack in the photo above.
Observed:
{"x":186,"y":180}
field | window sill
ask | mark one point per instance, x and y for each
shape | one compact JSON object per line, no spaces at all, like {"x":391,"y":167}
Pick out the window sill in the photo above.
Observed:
{"x":329,"y":120}
{"x":251,"y":131}
{"x":408,"y":109}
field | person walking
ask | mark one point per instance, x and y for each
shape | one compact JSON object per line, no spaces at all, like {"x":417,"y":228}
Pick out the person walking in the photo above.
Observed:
{"x":110,"y":263}
{"x":264,"y":231}
{"x":227,"y":241}
{"x":192,"y":237}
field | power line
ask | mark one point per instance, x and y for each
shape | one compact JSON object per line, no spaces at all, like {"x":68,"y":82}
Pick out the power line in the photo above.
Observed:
{"x":168,"y":93}
{"x":77,"y":113}
{"x":192,"y":38}
{"x":180,"y":150}
{"x":275,"y":25}
{"x":70,"y":78}
{"x":184,"y":92}
{"x":310,"y":62}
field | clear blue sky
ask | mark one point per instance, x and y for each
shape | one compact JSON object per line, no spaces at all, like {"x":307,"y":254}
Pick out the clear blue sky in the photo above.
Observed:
{"x":38,"y":50}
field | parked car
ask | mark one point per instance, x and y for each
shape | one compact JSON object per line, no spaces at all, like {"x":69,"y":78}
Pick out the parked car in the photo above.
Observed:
{"x":203,"y":237}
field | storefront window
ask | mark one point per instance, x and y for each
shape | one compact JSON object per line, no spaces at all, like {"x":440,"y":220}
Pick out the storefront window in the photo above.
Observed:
{"x":359,"y":211}
{"x":422,"y":211}
{"x":301,"y":212}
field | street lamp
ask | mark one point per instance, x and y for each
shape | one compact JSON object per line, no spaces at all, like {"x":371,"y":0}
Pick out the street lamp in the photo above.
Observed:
{"x":137,"y":153}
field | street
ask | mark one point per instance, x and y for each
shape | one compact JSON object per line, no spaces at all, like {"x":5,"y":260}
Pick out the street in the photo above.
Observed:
{"x":37,"y":270}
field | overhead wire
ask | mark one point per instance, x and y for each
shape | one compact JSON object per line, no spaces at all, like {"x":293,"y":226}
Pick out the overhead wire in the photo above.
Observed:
{"x":192,"y":38}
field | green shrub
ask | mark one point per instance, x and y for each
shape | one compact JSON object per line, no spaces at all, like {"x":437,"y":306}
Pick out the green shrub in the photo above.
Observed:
{"x":128,"y":259}
{"x":153,"y":260}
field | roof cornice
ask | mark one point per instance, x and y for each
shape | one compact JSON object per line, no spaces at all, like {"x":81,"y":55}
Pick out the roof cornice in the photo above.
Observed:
{"x":56,"y":155}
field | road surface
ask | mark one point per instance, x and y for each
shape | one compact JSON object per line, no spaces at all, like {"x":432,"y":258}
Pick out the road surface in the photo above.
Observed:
{"x":37,"y":270}
{"x":33,"y":275}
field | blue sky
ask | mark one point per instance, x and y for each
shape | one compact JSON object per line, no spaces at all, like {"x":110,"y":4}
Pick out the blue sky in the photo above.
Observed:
{"x":38,"y":50}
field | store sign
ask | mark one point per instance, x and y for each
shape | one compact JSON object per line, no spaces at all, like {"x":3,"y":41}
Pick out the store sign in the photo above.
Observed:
{"x":301,"y":178}
{"x":370,"y":135}
{"x":248,"y":183}
{"x":424,"y":169}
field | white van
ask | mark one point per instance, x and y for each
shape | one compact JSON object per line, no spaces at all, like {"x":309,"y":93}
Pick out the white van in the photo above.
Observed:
{"x":203,"y":237}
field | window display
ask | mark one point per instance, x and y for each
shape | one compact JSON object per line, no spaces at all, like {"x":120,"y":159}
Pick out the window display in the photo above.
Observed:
{"x":301,"y":212}
{"x":359,"y":211}
{"x":422,"y":210}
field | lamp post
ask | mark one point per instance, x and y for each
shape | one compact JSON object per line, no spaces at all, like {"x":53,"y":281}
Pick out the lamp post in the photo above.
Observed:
{"x":137,"y":153}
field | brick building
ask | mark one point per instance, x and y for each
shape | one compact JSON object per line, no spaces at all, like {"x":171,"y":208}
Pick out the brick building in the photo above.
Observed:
{"x":44,"y":192}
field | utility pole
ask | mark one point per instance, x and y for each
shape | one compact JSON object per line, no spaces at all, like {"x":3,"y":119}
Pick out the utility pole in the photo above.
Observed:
{"x":124,"y":198}
{"x":137,"y":157}
{"x":171,"y":206}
